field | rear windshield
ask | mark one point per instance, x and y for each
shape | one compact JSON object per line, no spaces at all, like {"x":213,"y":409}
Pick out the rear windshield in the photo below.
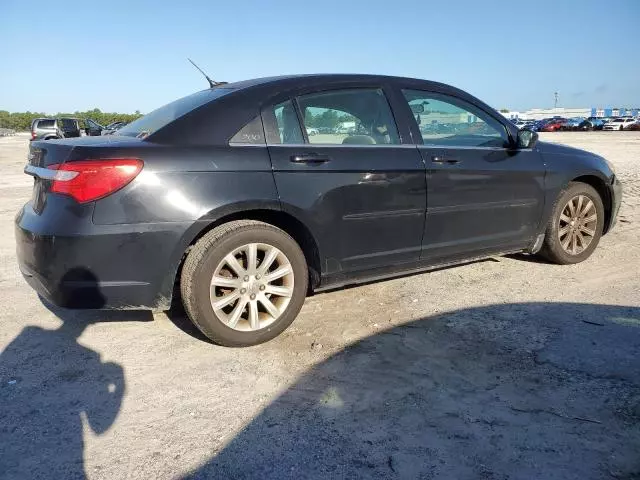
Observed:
{"x":619,"y":120}
{"x":161,"y":117}
{"x":45,"y":124}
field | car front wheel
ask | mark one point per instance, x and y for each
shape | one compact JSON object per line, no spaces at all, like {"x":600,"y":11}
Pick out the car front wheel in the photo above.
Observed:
{"x":576,"y":225}
{"x":244,"y":282}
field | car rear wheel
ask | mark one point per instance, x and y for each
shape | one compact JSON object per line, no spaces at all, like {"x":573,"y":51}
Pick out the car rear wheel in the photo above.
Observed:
{"x":243,"y":283}
{"x":576,"y":225}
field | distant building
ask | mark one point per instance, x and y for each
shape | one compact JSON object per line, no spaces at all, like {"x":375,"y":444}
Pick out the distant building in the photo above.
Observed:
{"x":615,"y":112}
{"x":540,"y":113}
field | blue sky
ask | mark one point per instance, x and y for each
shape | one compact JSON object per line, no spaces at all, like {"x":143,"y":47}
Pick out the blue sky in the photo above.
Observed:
{"x":131,"y":55}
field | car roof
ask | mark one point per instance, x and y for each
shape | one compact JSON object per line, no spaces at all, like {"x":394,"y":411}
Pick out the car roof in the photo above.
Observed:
{"x":325,"y":78}
{"x":244,"y":99}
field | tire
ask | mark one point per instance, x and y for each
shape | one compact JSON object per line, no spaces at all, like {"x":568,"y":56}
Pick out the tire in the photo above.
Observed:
{"x":257,"y":324}
{"x":552,"y":247}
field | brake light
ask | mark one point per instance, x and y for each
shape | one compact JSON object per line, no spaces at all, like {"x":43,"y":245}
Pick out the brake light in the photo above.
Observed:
{"x":90,"y":180}
{"x":33,"y":135}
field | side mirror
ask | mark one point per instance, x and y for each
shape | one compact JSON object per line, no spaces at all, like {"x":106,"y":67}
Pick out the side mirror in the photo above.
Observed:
{"x":527,"y":139}
{"x":417,"y":108}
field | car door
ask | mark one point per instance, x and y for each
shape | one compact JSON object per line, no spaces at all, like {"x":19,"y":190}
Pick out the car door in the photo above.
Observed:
{"x":483,"y":194}
{"x":359,"y":188}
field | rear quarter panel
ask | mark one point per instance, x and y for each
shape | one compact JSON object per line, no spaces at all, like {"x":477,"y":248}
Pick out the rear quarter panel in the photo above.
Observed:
{"x":191,"y":184}
{"x":184,"y":190}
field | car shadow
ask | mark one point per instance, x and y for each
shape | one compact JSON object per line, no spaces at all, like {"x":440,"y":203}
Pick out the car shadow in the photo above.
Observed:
{"x":518,"y":391}
{"x":178,"y":316}
{"x":526,"y":257}
{"x":41,"y":367}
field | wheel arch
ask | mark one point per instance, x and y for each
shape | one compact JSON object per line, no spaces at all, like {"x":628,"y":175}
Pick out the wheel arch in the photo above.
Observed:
{"x":600,"y":186}
{"x":283,"y":220}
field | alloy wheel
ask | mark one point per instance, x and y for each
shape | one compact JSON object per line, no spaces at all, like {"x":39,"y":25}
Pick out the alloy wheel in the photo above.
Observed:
{"x":252,"y":286}
{"x":577,"y":224}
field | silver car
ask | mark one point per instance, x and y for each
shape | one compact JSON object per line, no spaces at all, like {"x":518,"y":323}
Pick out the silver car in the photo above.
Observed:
{"x":52,"y":128}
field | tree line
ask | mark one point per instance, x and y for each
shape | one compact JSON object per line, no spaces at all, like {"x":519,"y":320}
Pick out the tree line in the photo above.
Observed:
{"x":22,"y":120}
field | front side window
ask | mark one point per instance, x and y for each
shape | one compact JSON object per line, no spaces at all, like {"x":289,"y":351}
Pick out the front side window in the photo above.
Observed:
{"x":449,"y":122}
{"x":349,"y":117}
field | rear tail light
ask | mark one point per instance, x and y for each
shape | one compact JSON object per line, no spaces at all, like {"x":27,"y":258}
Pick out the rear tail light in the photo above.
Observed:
{"x":90,"y":180}
{"x":33,"y":135}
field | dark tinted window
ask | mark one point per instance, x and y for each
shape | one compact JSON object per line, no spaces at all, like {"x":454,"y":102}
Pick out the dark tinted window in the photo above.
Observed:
{"x":350,"y":117}
{"x":250,"y":134}
{"x":448,"y":121}
{"x":45,"y":124}
{"x":161,"y":117}
{"x":281,"y":124}
{"x":67,"y":124}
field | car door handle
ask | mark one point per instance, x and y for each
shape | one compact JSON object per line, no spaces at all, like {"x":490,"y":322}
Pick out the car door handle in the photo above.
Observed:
{"x":312,"y":158}
{"x":449,"y":160}
{"x":374,"y":178}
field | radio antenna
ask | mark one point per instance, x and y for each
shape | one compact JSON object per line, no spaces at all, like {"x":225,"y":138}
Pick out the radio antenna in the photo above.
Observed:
{"x":212,"y":83}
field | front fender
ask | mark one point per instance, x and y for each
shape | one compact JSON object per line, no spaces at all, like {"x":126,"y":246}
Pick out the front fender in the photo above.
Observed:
{"x":563,"y":165}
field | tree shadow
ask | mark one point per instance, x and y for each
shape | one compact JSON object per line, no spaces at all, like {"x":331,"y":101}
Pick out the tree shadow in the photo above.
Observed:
{"x":518,"y":391}
{"x":48,"y":383}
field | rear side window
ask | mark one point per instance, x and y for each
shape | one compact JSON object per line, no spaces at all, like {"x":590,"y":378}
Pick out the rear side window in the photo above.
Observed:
{"x":251,"y":134}
{"x":45,"y":124}
{"x":161,"y":117}
{"x":349,"y":117}
{"x":281,"y":124}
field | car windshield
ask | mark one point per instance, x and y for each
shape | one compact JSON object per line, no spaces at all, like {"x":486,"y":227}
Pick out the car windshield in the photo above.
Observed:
{"x":162,"y":116}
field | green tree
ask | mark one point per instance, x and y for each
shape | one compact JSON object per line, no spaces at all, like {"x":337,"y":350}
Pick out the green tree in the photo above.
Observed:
{"x":22,"y":120}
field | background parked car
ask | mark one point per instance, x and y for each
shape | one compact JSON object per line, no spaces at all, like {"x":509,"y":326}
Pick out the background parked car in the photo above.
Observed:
{"x":312,"y":131}
{"x":521,"y":124}
{"x":92,"y":128}
{"x":113,"y":127}
{"x":554,"y":125}
{"x":572,"y":124}
{"x":536,"y":125}
{"x":591,"y":123}
{"x":53,"y":128}
{"x":619,"y":123}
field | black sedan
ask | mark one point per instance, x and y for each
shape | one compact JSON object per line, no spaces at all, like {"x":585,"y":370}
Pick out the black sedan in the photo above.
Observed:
{"x":225,"y":196}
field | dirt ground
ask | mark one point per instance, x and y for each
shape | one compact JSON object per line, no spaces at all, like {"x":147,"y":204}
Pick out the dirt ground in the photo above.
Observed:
{"x":502,"y":369}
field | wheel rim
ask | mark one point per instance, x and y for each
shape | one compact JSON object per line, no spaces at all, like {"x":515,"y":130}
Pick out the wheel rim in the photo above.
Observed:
{"x":252,"y":286}
{"x":577,"y":225}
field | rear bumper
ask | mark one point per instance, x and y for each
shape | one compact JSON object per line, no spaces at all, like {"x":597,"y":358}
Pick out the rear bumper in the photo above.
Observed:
{"x":99,"y":266}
